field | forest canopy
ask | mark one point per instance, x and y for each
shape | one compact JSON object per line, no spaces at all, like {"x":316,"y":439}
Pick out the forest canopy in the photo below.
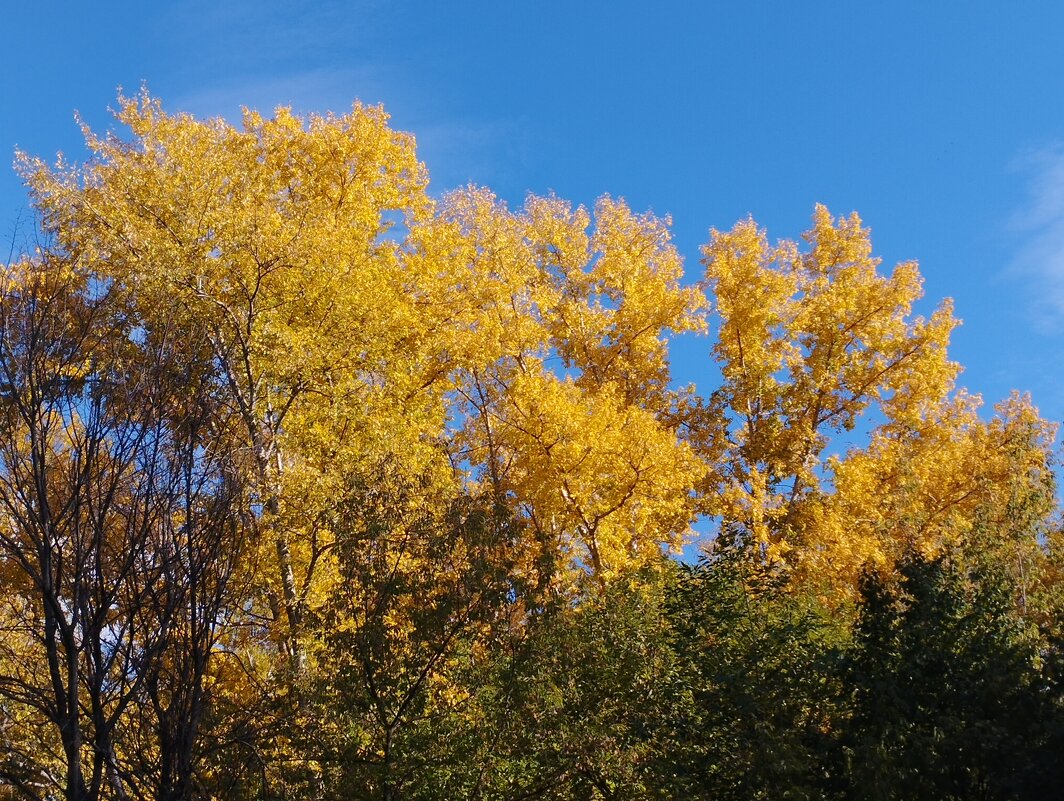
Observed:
{"x":315,"y":485}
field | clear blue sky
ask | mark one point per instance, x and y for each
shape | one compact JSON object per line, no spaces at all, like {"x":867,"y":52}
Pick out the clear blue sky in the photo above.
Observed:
{"x":942,"y":123}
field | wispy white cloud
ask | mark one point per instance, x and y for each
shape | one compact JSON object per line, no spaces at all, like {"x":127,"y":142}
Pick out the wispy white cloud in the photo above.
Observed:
{"x":1039,"y":260}
{"x":316,"y":90}
{"x":239,"y":34}
{"x":322,"y":55}
{"x":461,"y":151}
{"x":313,"y":56}
{"x":456,"y":150}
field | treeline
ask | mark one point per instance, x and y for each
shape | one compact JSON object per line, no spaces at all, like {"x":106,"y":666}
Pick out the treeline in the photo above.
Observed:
{"x":312,"y":487}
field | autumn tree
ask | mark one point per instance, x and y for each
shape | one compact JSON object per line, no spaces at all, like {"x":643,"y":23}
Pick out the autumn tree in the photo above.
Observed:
{"x":266,"y":249}
{"x":116,"y":529}
{"x":567,"y":399}
{"x":817,"y":343}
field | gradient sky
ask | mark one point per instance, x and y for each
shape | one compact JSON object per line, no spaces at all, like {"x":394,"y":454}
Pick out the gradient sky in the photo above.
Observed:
{"x":941,"y":123}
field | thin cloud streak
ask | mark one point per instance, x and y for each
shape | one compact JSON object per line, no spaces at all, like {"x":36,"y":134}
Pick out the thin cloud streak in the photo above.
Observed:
{"x":318,"y":90}
{"x":457,"y":150}
{"x":1039,"y":260}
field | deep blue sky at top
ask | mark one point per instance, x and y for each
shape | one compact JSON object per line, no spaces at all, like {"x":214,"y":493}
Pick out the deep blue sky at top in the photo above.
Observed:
{"x":941,"y":123}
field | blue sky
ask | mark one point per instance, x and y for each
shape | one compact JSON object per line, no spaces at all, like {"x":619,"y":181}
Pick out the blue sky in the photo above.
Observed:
{"x":941,"y":123}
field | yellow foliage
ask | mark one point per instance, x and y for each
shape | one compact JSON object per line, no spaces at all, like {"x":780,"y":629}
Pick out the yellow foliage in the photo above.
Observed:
{"x":810,"y":341}
{"x":564,"y":387}
{"x":343,"y":318}
{"x":928,"y":487}
{"x":346,"y":318}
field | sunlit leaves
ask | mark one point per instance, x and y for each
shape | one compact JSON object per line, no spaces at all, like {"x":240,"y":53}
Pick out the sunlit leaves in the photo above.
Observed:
{"x":814,"y":340}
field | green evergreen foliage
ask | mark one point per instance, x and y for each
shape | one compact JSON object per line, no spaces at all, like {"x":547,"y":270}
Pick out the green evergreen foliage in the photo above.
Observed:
{"x":753,"y":691}
{"x":950,"y":699}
